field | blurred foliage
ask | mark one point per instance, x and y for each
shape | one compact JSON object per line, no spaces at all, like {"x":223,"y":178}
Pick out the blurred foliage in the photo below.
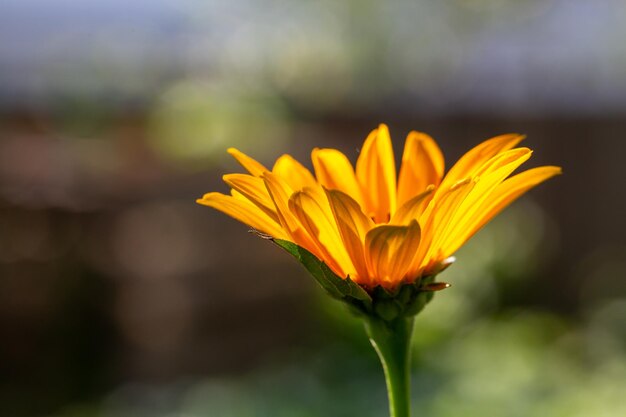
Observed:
{"x":195,"y":122}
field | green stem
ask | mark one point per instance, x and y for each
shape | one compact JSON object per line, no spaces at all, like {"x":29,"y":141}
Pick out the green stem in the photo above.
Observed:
{"x":392,"y":341}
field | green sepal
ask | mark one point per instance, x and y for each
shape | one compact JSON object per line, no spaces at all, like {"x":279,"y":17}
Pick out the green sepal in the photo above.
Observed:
{"x":405,"y":301}
{"x":343,"y":289}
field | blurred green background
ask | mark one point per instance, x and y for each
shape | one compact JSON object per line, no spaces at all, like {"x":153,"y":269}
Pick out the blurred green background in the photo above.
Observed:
{"x":119,"y":296}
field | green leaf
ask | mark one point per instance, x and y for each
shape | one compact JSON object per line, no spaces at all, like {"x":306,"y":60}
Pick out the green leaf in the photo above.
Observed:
{"x":341,"y":288}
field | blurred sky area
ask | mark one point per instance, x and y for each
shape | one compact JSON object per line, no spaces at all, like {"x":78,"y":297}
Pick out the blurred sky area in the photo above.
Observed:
{"x":119,"y":296}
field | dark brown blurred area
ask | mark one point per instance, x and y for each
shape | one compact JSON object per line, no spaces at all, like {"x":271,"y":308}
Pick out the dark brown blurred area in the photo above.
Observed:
{"x":113,"y":121}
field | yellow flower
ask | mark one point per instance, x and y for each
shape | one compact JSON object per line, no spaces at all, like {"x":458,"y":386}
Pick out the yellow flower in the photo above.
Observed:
{"x":369,"y":224}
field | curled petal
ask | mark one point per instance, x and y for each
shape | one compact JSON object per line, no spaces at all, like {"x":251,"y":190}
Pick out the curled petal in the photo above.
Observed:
{"x":353,"y":226}
{"x":389,"y":252}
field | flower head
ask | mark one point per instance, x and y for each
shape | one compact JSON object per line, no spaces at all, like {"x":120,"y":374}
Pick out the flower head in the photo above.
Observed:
{"x":370,"y":224}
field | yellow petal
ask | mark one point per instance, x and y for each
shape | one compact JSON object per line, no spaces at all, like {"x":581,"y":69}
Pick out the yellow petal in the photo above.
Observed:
{"x":477,"y":156}
{"x":293,"y":173}
{"x":413,"y":208}
{"x":353,"y":226}
{"x":253,"y":188}
{"x":502,"y":196}
{"x":389,"y":252}
{"x":517,"y":185}
{"x":435,"y":221}
{"x":503,"y":159}
{"x":315,"y":216}
{"x":280,"y":192}
{"x":422,"y":165}
{"x":376,"y":174}
{"x":245,"y":212}
{"x":255,"y":168}
{"x":491,"y":174}
{"x":237,"y":194}
{"x":335,"y":172}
